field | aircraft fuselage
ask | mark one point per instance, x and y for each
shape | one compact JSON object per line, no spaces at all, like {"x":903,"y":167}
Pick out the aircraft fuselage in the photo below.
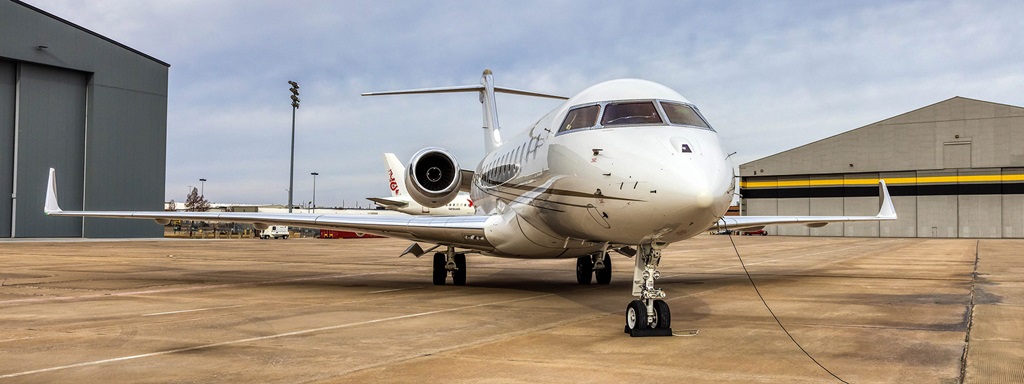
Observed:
{"x":571,"y":190}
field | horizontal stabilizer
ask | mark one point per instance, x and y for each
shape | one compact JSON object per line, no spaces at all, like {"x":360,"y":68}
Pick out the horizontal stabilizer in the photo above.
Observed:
{"x":388,"y":202}
{"x":465,"y":88}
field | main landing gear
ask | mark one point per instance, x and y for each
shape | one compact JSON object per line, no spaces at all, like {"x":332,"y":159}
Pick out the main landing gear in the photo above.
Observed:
{"x":599,"y":265}
{"x":450,"y":261}
{"x":649,"y":315}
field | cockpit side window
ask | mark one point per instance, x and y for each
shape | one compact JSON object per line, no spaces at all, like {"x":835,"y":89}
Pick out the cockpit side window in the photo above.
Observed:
{"x":682,"y":114}
{"x":642,"y":112}
{"x":582,"y":117}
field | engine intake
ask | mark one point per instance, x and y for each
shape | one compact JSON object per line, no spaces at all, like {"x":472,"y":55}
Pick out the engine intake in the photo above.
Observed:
{"x":434,"y":177}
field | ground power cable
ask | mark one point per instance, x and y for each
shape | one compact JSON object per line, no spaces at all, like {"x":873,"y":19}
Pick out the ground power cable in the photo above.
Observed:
{"x":751,"y":279}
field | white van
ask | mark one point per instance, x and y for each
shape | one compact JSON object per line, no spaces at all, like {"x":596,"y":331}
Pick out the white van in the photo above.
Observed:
{"x":275,"y":231}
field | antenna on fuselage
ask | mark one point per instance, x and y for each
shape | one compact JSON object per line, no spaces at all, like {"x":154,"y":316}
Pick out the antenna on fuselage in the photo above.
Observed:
{"x":486,"y":90}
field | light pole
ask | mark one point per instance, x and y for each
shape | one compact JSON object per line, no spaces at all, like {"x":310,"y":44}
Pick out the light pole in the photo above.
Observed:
{"x":313,"y":203}
{"x":291,"y":172}
{"x":202,"y":187}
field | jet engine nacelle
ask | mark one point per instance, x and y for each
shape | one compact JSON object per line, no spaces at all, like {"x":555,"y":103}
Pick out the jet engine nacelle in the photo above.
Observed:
{"x":434,"y":177}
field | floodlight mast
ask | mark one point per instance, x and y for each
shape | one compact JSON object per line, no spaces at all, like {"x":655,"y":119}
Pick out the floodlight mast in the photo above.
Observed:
{"x":291,"y":170}
{"x":313,"y":203}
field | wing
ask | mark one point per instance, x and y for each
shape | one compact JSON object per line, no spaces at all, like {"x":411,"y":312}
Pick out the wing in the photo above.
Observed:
{"x":886,"y":211}
{"x":461,"y":231}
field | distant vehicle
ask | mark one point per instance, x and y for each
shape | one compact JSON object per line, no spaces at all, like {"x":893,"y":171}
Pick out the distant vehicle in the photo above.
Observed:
{"x":725,"y":232}
{"x":757,"y":232}
{"x":275,"y":231}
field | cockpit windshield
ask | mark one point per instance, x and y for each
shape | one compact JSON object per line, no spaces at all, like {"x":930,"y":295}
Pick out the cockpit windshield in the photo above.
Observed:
{"x":683,"y":114}
{"x":582,"y":117}
{"x":640,"y":112}
{"x":633,"y":112}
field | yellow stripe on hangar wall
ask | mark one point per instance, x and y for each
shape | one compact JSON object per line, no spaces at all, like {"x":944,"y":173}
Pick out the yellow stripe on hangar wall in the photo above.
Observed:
{"x":889,"y":181}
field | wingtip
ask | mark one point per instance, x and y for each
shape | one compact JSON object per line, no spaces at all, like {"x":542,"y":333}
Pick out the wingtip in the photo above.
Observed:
{"x":886,"y":210}
{"x":51,"y":194}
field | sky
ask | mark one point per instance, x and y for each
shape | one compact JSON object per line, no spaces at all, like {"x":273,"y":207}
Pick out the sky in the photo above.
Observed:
{"x":769,"y":76}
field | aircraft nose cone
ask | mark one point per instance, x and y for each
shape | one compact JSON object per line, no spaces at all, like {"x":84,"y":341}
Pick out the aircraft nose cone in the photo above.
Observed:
{"x":704,"y":198}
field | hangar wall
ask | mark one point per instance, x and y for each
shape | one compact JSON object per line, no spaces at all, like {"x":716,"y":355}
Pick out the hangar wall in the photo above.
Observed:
{"x":954,"y":169}
{"x":94,"y":109}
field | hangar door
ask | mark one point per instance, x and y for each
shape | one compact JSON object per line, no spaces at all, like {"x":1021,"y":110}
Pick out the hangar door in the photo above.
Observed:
{"x":49,"y":132}
{"x":7,"y":88}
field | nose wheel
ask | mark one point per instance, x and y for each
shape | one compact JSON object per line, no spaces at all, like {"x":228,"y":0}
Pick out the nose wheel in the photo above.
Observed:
{"x":648,"y":315}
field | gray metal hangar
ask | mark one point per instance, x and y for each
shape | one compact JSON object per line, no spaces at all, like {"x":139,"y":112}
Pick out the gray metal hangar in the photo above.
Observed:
{"x":954,"y":168}
{"x":94,"y":109}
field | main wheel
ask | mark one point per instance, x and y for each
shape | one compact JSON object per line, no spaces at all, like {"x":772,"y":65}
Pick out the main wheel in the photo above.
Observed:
{"x":440,"y":274}
{"x":459,"y":274}
{"x":662,"y":315}
{"x":584,"y":270}
{"x":604,"y":276}
{"x":636,"y":316}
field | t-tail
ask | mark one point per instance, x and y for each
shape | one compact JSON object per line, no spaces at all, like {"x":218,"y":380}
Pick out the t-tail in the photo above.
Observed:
{"x":486,"y":89}
{"x":396,"y":174}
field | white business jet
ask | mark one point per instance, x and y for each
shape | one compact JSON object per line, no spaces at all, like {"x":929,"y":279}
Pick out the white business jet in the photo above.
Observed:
{"x":401,"y":201}
{"x":626,"y":166}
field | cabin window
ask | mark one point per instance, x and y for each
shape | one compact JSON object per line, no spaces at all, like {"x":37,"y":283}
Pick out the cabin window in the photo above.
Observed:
{"x":582,"y":117}
{"x":630,"y":113}
{"x":682,"y":114}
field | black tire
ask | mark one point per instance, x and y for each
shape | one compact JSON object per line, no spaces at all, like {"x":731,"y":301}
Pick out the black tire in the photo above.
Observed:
{"x":440,"y":274}
{"x":636,"y":316}
{"x":662,"y":315}
{"x":765,"y":233}
{"x":604,"y":276}
{"x":285,"y":237}
{"x":584,"y":270}
{"x":459,"y":274}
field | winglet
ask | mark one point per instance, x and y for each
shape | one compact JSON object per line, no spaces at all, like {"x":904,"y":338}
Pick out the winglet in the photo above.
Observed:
{"x":51,"y":194}
{"x":885,"y":208}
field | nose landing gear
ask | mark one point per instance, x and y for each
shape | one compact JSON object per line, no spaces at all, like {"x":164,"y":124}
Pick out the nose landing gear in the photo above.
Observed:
{"x":649,"y":315}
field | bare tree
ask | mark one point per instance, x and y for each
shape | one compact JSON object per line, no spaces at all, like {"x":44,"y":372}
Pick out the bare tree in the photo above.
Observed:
{"x":196,"y":203}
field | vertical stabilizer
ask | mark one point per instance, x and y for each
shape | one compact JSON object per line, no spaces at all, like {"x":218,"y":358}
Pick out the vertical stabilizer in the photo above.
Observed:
{"x":492,"y":131}
{"x":396,"y":174}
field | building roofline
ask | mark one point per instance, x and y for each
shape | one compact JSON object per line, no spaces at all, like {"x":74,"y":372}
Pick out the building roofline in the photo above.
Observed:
{"x":877,"y":122}
{"x":86,"y":30}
